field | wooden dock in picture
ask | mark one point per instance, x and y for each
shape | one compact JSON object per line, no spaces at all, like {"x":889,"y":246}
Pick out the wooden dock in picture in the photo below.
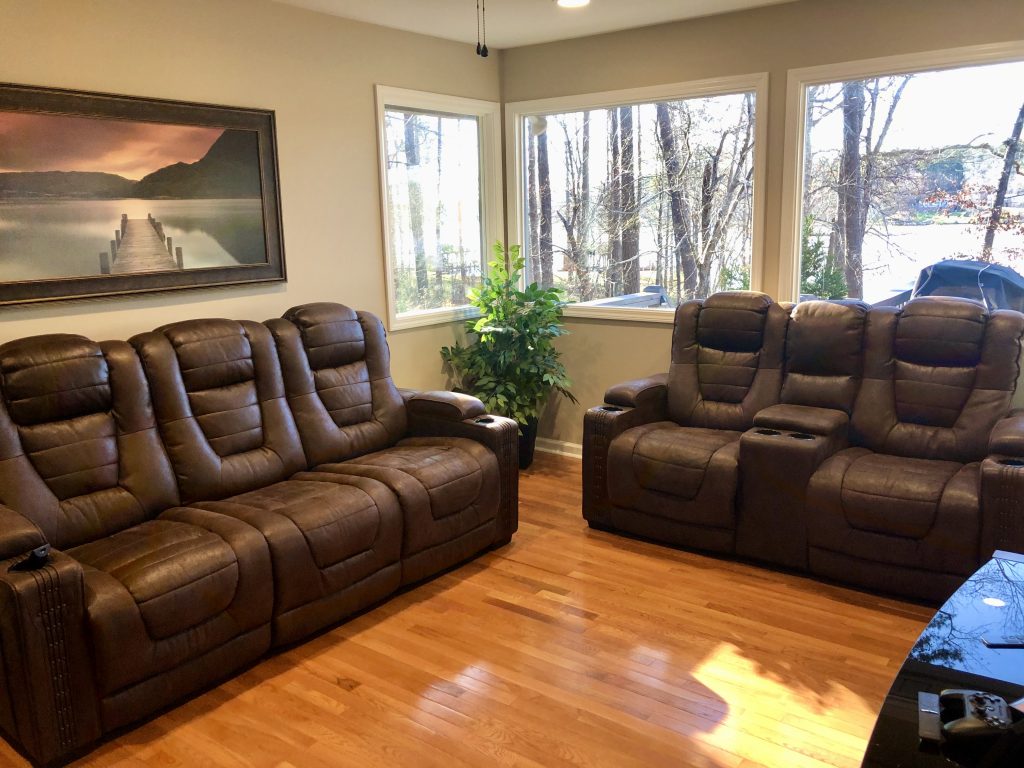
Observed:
{"x":140,"y":245}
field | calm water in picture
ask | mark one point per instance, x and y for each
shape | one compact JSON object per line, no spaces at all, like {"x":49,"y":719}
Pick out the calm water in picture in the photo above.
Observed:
{"x":63,"y":238}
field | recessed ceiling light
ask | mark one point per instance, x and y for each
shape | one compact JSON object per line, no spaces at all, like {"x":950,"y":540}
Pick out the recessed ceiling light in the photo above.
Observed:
{"x":572,"y":3}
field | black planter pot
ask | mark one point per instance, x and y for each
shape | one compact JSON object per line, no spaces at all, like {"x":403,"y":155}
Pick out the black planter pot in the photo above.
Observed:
{"x":527,"y":443}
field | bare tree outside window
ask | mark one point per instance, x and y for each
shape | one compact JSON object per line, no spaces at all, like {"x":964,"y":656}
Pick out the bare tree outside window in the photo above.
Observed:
{"x":644,"y":204}
{"x":434,"y":208}
{"x":907,"y":170}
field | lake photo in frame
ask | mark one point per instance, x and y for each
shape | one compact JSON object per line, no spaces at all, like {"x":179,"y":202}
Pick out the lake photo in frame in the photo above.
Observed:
{"x":104,"y":195}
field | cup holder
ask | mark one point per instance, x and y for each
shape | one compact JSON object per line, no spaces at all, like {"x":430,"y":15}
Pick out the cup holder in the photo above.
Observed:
{"x":483,"y":420}
{"x":610,"y":408}
{"x":768,"y":432}
{"x":1011,"y":462}
{"x":801,"y":436}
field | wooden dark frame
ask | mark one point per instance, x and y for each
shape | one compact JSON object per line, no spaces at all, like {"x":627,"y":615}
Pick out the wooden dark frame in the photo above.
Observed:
{"x":22,"y":98}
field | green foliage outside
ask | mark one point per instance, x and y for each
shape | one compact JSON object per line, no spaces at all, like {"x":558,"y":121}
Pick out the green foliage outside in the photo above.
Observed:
{"x":820,"y":275}
{"x":512,"y":366}
{"x":734,"y":278}
{"x":447,"y":282}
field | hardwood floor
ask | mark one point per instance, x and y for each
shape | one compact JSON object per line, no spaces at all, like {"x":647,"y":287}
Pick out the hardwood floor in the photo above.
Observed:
{"x":569,"y":647}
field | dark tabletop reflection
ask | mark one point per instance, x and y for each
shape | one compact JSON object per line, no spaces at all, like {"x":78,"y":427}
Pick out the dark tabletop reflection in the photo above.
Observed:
{"x":990,"y":604}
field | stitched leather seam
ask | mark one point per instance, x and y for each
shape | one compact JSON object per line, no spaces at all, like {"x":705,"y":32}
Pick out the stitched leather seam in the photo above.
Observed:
{"x":892,"y":497}
{"x":211,"y":574}
{"x":206,"y":339}
{"x":227,"y":410}
{"x":51,"y":392}
{"x":50,"y":478}
{"x":364,"y":382}
{"x":258,"y":428}
{"x":216,"y":364}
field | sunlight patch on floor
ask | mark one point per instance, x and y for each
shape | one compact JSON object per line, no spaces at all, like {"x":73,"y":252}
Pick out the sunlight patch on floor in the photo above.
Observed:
{"x":768,"y":717}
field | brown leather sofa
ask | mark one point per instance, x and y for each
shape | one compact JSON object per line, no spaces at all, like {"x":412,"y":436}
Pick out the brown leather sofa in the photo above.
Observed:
{"x":873,"y":446}
{"x":210,"y":491}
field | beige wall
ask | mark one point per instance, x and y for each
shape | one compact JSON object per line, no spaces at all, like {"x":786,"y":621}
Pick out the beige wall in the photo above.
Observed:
{"x":773,"y":40}
{"x":317,"y":72}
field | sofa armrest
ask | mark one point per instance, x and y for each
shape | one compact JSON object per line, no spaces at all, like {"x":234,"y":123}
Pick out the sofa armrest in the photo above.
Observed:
{"x":650,"y":391}
{"x":18,"y":534}
{"x":1002,"y":505}
{"x":1007,"y":436}
{"x":825,"y":422}
{"x":407,"y":394}
{"x":48,"y":703}
{"x":445,"y":405}
{"x":604,"y":423}
{"x":499,"y":434}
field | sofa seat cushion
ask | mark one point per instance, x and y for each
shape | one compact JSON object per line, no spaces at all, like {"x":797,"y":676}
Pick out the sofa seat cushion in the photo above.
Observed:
{"x":324,"y":538}
{"x":895,"y":495}
{"x":448,"y":488}
{"x":916,"y":513}
{"x":687,"y":474}
{"x":179,"y":575}
{"x":171,"y":590}
{"x":675,"y":459}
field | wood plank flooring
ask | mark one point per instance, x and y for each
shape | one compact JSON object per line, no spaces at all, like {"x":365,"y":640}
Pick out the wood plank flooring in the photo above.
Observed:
{"x":569,"y":647}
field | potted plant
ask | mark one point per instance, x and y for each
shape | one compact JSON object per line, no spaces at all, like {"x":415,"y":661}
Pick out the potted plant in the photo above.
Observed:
{"x":512,"y":365}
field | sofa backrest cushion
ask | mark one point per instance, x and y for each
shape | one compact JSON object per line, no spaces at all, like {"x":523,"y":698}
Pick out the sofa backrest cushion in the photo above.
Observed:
{"x":79,"y":450}
{"x":219,"y":401}
{"x":938,"y":374}
{"x":337,"y":376}
{"x":824,"y":354}
{"x":727,"y":355}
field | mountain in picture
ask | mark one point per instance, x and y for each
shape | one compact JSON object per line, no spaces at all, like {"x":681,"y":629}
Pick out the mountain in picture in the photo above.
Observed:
{"x":229,"y":169}
{"x":89,"y":185}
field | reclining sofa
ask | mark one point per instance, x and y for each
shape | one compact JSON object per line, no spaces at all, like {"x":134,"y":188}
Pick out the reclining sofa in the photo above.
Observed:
{"x":872,"y":446}
{"x":211,"y":490}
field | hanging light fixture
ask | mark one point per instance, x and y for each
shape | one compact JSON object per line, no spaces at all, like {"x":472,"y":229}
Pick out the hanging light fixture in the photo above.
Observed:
{"x":481,"y":22}
{"x":572,"y":3}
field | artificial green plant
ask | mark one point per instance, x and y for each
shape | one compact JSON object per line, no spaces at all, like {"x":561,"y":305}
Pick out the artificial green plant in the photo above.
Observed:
{"x":512,"y":365}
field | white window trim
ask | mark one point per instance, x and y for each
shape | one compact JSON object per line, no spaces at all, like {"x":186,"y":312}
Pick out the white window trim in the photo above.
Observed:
{"x":492,"y":223}
{"x":797,"y":81}
{"x":716,"y":86}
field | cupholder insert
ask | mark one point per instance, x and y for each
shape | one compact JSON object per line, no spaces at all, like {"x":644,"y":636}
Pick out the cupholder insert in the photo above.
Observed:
{"x":483,"y":420}
{"x":801,"y":436}
{"x":610,"y":408}
{"x":768,"y":432}
{"x":1011,"y":462}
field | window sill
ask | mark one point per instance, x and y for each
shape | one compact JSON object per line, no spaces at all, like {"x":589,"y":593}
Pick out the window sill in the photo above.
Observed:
{"x":427,"y":317}
{"x":627,"y":314}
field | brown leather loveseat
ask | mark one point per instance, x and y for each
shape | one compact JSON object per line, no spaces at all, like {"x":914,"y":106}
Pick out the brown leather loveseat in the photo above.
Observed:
{"x":212,"y":490}
{"x":874,"y":446}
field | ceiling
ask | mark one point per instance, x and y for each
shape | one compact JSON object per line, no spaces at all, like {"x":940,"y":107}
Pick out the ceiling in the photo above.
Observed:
{"x":511,"y":23}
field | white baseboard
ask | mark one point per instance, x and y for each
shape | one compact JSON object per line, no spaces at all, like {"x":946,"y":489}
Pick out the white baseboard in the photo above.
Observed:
{"x":561,"y":447}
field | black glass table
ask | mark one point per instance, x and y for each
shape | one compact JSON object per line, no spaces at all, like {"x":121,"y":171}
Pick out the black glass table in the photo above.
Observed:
{"x":951,"y":654}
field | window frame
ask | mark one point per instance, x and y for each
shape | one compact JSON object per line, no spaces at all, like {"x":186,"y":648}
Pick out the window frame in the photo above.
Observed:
{"x":492,"y":224}
{"x":797,"y":82}
{"x":515,"y":112}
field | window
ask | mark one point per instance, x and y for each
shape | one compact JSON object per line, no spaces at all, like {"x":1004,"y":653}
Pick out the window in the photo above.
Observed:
{"x":903,"y":167}
{"x":634,"y":201}
{"x":441,"y":201}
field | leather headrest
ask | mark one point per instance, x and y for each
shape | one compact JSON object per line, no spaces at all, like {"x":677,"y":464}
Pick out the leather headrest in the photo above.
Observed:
{"x":53,"y":378}
{"x":941,"y":331}
{"x":331,"y":334}
{"x":211,"y":353}
{"x":733,"y":321}
{"x":825,"y":338}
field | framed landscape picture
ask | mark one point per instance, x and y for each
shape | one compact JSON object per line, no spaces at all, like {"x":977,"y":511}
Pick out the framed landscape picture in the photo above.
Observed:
{"x":104,"y":195}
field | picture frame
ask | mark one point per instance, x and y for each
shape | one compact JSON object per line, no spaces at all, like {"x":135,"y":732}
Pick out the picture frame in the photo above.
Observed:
{"x":107,"y":195}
